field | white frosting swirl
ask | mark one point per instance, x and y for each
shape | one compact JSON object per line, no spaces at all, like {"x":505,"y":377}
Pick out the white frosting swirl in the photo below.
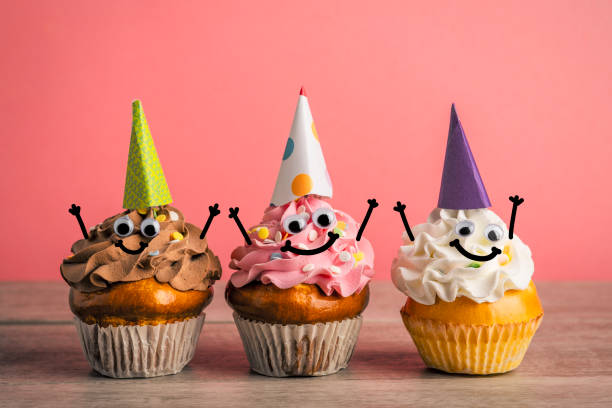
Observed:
{"x":430,"y":267}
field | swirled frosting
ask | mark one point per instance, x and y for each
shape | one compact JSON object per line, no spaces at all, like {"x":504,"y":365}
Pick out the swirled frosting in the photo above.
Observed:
{"x":429,"y":267}
{"x":185,"y":263}
{"x":346,"y":267}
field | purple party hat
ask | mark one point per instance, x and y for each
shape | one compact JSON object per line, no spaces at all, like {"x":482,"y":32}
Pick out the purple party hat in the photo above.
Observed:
{"x":461,"y":187}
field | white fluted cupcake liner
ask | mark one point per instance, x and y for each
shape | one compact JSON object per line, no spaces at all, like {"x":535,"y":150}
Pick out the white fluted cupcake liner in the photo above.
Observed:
{"x":471,"y":349}
{"x":279,"y":350}
{"x":132,"y":351}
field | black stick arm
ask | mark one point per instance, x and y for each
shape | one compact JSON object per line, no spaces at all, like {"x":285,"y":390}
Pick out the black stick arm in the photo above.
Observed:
{"x":401,"y":209}
{"x":372,"y":205}
{"x":76,"y":211}
{"x":233,"y":213}
{"x":214,"y":211}
{"x":516,"y":201}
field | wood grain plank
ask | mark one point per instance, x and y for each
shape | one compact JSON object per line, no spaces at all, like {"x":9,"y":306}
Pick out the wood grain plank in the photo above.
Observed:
{"x":568,"y":364}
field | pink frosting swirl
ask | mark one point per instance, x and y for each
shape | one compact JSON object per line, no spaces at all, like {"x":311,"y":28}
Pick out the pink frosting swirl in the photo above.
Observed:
{"x":346,"y":267}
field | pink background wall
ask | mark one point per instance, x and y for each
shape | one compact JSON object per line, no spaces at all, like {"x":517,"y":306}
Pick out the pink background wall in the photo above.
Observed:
{"x":219,"y":83}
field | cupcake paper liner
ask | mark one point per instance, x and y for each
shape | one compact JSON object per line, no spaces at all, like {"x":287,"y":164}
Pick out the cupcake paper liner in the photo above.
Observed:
{"x":140,"y":351}
{"x":278,"y":350}
{"x":471,"y":349}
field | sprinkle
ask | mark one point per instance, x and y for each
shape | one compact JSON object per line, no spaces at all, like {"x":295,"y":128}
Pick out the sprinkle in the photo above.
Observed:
{"x":312,"y":235}
{"x":174,"y":241}
{"x":173,"y":216}
{"x":503,"y":259}
{"x":358,"y":256}
{"x":341,"y":225}
{"x":278,"y":237}
{"x":308,"y":268}
{"x":473,"y":265}
{"x":161,"y":217}
{"x":335,"y":270}
{"x":154,"y":253}
{"x":301,"y":209}
{"x":275,"y":255}
{"x":142,"y":211}
{"x":176,"y":236}
{"x":345,"y":256}
{"x":70,"y":256}
{"x":302,"y":246}
{"x":285,"y":236}
{"x":263,"y":233}
{"x":338,"y":231}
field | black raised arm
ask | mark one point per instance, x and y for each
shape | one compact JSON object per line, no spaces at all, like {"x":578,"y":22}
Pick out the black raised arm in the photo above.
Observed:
{"x":213,"y":212}
{"x":372,"y":205}
{"x":233,"y":213}
{"x":76,"y":211}
{"x":516,"y":201}
{"x":401,"y":209}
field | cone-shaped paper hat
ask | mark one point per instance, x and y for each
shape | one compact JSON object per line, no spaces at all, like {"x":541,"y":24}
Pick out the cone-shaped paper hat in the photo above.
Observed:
{"x":462,"y":187}
{"x":303,"y":170}
{"x":145,"y":184}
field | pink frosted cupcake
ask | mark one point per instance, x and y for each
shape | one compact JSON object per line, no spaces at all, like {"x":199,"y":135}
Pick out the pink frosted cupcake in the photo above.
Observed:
{"x":301,"y":280}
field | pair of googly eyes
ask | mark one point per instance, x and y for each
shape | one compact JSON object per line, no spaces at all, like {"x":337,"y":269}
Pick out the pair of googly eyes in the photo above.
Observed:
{"x":492,"y":232}
{"x":322,"y":218}
{"x":124,"y":227}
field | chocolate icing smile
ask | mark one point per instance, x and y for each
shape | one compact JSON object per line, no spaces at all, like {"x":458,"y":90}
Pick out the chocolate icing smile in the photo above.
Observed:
{"x":105,"y":258}
{"x":143,"y":245}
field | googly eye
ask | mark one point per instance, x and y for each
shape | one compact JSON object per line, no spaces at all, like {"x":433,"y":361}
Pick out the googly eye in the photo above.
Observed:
{"x":295,"y":223}
{"x":149,"y":227}
{"x":123,"y":226}
{"x":324,"y":218}
{"x":493,"y":232}
{"x":464,"y":228}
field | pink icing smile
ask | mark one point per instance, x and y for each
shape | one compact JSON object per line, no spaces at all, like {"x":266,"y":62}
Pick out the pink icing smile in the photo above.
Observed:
{"x":346,"y":267}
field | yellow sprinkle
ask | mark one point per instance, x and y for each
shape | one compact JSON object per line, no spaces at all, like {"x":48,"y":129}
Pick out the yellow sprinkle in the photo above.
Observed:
{"x":161,"y":217}
{"x":176,"y":236}
{"x":503,"y":259}
{"x":142,"y":211}
{"x":263,"y":233}
{"x":341,"y":225}
{"x":286,"y":235}
{"x":507,"y":252}
{"x":358,"y":256}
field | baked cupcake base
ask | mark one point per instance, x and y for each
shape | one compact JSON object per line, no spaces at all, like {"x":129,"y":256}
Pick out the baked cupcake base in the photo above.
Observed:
{"x":279,"y":350}
{"x":475,"y":338}
{"x":131,"y":351}
{"x":471,"y":349}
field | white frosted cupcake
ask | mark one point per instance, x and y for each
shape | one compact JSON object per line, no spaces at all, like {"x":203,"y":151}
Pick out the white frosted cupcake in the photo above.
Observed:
{"x":472,"y":307}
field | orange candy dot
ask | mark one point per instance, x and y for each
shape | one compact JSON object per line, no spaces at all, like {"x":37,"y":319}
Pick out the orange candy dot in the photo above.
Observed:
{"x":301,"y":185}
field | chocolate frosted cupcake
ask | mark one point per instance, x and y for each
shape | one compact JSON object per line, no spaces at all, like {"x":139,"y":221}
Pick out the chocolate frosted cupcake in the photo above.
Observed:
{"x":141,"y":279}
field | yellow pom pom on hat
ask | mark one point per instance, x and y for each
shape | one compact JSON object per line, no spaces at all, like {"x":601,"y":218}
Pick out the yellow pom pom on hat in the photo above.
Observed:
{"x":145,"y":183}
{"x":303,"y":170}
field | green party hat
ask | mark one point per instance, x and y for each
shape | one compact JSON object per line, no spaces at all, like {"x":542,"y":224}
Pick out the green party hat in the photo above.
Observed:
{"x":145,"y":184}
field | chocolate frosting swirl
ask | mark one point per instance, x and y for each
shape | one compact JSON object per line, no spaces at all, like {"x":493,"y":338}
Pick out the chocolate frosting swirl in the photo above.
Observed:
{"x":185,"y":264}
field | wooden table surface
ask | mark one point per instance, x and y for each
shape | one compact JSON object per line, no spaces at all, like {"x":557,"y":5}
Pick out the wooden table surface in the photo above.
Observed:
{"x":569,"y":362}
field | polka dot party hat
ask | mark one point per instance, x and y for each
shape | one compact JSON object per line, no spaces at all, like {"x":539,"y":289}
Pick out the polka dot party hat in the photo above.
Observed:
{"x":303,"y":170}
{"x":145,"y":184}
